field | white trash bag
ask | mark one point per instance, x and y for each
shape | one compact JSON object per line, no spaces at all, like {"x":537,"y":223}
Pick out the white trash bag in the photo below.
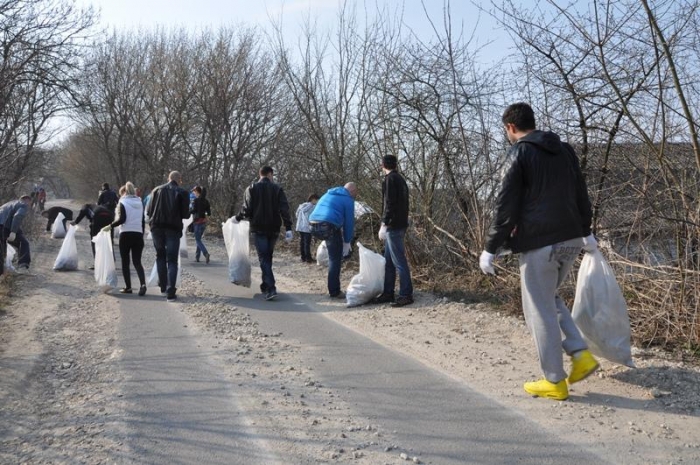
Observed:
{"x":322,"y":254}
{"x":369,"y":282}
{"x":183,"y":240}
{"x":8,"y":259}
{"x":153,"y":278}
{"x":58,"y":231}
{"x":67,"y":259}
{"x":105,"y":271}
{"x":237,"y":240}
{"x":600,"y":311}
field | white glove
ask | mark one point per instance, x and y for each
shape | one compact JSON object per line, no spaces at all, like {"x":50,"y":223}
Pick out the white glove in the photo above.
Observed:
{"x":382,"y":233}
{"x":346,"y":249}
{"x":11,"y":237}
{"x":288,"y":236}
{"x":234,"y":220}
{"x":486,"y":262}
{"x":590,"y":245}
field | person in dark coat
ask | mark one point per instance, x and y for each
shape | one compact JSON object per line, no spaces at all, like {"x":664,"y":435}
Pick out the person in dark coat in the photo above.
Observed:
{"x":52,"y":213}
{"x":107,"y":197}
{"x":201,"y":211}
{"x":11,"y":216}
{"x":98,"y":217}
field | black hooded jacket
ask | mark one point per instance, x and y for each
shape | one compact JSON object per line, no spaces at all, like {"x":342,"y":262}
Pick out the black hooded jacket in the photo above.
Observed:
{"x":266,"y":206}
{"x":543,"y":198}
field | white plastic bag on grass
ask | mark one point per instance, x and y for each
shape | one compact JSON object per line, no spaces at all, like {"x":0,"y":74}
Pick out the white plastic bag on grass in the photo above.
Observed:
{"x":600,"y":311}
{"x":183,"y":240}
{"x":9,"y":257}
{"x":67,"y":259}
{"x":58,"y":231}
{"x":322,"y":254}
{"x":105,"y":271}
{"x":237,"y":240}
{"x":369,"y":282}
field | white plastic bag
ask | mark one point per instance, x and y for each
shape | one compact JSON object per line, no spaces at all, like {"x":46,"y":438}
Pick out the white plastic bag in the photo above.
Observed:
{"x":67,"y":259}
{"x":183,"y":240}
{"x":237,"y":240}
{"x":105,"y":271}
{"x":369,"y":282}
{"x":322,"y":254}
{"x":600,"y":311}
{"x":153,"y":278}
{"x":58,"y":231}
{"x":9,"y":257}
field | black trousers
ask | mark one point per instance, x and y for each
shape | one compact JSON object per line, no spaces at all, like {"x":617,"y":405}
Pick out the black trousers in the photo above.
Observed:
{"x":131,"y":247}
{"x":305,"y":245}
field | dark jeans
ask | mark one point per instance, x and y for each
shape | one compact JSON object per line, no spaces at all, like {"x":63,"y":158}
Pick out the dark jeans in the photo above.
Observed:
{"x":131,"y":246}
{"x":21,"y":243}
{"x":265,"y":246}
{"x":198,"y":233}
{"x":395,"y":255}
{"x":167,"y":245}
{"x":335,"y":257}
{"x":305,"y":245}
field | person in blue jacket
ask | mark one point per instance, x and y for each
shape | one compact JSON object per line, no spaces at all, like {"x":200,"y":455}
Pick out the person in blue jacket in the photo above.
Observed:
{"x":333,"y":220}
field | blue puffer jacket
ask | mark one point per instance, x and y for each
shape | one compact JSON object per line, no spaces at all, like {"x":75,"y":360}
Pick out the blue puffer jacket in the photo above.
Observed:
{"x":338,"y":208}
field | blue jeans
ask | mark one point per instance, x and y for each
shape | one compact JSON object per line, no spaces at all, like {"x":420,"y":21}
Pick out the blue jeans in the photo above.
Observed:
{"x":167,"y":245}
{"x":395,"y":256}
{"x":21,"y":243}
{"x":334,"y":242}
{"x":265,"y":246}
{"x":198,"y":233}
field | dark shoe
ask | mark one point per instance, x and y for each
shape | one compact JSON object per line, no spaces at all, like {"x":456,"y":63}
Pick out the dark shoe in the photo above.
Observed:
{"x":340,"y":295}
{"x":126,"y":290}
{"x":171,"y":298}
{"x":383,"y":299}
{"x":402,"y":300}
{"x":91,"y":267}
{"x":142,"y":290}
{"x":310,"y":260}
{"x":196,"y":259}
{"x":206,"y":258}
{"x":263,"y":288}
{"x":271,"y":295}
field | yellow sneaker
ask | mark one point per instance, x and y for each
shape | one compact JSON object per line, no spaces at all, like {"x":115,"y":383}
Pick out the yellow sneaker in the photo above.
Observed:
{"x":544,"y":388}
{"x":582,"y":366}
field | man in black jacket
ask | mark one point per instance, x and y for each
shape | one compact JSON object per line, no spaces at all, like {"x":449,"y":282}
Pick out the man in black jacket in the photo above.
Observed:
{"x":52,"y":213}
{"x":543,"y":213}
{"x":107,"y":198}
{"x":266,"y":206}
{"x":168,"y":206}
{"x":393,"y":232}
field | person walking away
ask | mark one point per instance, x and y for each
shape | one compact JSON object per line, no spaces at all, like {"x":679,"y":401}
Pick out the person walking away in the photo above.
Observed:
{"x":333,"y":220}
{"x":53,"y":212}
{"x":11,"y":216}
{"x":166,"y":210}
{"x":543,"y":213}
{"x":266,"y":207}
{"x":304,"y":227}
{"x":395,"y":202}
{"x":107,"y":197}
{"x":41,"y":198}
{"x":200,"y":211}
{"x":130,"y":218}
{"x":98,"y":217}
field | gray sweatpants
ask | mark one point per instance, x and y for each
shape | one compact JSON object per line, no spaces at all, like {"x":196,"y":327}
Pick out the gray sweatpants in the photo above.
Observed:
{"x":541,"y":273}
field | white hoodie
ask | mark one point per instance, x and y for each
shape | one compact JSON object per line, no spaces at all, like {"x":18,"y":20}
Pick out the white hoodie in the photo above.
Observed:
{"x":134,"y":214}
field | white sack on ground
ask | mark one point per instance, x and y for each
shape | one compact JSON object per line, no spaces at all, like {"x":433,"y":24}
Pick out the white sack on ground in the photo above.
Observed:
{"x":9,"y":257}
{"x":237,"y":240}
{"x":183,"y":240}
{"x":105,"y":271}
{"x":600,"y":311}
{"x":369,"y":282}
{"x":67,"y":259}
{"x":322,"y":254}
{"x":58,"y":231}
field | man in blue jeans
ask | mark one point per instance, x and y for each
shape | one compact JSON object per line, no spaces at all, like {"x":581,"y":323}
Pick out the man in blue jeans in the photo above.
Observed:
{"x":169,"y":205}
{"x":333,"y":220}
{"x":266,"y":207}
{"x":393,"y":231}
{"x":11,"y":216}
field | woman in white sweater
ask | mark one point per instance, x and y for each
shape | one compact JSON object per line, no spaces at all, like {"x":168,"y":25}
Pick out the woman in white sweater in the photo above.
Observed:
{"x":130,"y":218}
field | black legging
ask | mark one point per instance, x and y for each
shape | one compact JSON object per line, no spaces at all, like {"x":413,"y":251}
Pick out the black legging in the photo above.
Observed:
{"x":131,"y":242}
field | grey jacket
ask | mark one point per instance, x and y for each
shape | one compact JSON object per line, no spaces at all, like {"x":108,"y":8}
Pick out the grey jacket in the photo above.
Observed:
{"x":12,"y":214}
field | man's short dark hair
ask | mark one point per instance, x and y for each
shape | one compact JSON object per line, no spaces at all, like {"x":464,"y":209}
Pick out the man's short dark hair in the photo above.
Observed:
{"x":312,"y":197}
{"x":105,"y":186}
{"x":390,"y":162}
{"x":521,"y":115}
{"x":265,"y":170}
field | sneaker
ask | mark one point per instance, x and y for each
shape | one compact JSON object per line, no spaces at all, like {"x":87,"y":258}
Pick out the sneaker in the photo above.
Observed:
{"x":402,"y":300}
{"x":582,"y":366}
{"x":142,"y":290}
{"x":196,"y":259}
{"x":206,"y":259}
{"x":171,"y":298}
{"x":548,"y":390}
{"x":126,"y":290}
{"x":340,"y":296}
{"x":91,"y":267}
{"x":272,"y":295}
{"x":383,"y":298}
{"x":22,"y":269}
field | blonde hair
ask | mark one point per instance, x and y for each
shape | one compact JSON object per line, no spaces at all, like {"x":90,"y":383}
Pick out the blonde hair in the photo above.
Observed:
{"x":129,"y":188}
